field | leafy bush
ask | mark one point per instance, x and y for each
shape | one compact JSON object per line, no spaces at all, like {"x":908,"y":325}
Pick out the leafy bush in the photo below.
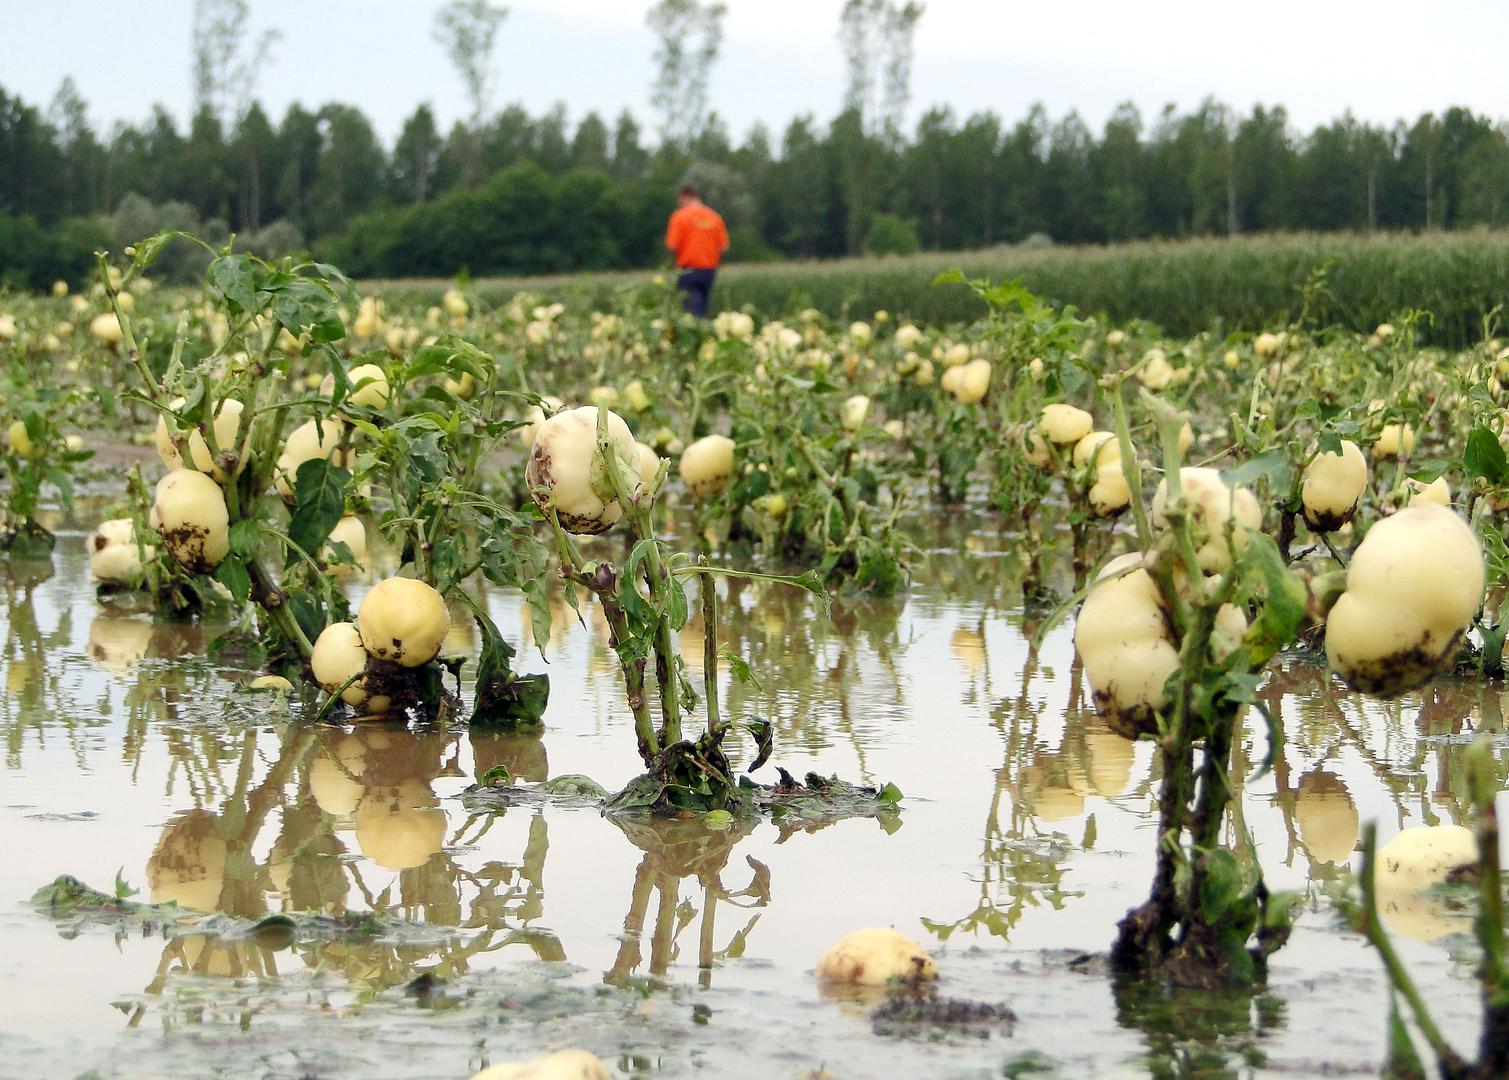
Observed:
{"x":892,"y":235}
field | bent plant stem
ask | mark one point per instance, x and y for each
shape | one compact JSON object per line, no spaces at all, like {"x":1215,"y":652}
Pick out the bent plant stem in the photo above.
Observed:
{"x":155,"y":390}
{"x":574,"y":570}
{"x":710,"y":649}
{"x":1452,"y":1063}
{"x":330,"y":703}
{"x":1130,"y":469}
{"x":657,"y":580}
{"x":1493,"y":1046}
{"x":271,"y":598}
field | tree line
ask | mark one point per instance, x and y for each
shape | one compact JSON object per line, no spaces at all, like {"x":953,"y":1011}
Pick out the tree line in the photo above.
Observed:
{"x":510,"y":192}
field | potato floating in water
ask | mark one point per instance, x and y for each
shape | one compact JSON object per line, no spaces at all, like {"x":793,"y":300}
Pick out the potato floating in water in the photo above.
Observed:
{"x":876,"y":957}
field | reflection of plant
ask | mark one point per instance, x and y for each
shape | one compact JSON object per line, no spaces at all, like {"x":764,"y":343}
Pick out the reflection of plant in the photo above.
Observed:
{"x":674,"y":850}
{"x":435,"y":915}
{"x":1026,"y":869}
{"x":1197,"y":1032}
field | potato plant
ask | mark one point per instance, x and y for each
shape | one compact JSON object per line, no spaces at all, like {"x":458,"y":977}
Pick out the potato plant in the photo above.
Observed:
{"x":233,"y":428}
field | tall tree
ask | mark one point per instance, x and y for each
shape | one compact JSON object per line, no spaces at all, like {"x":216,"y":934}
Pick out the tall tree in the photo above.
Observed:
{"x":416,"y":157}
{"x":80,"y":154}
{"x":630,"y":159}
{"x":688,"y":35}
{"x":1119,"y":168}
{"x":348,"y":177}
{"x":301,"y":144}
{"x":589,"y":146}
{"x":468,"y":32}
{"x":255,"y":150}
{"x":878,"y":41}
{"x":226,"y":60}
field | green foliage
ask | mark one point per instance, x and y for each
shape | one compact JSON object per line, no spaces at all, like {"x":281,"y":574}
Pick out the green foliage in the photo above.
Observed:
{"x":892,"y":235}
{"x":1185,"y":287}
{"x":319,"y":501}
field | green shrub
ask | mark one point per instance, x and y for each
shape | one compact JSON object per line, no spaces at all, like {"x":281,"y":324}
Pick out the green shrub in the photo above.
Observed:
{"x":892,"y":235}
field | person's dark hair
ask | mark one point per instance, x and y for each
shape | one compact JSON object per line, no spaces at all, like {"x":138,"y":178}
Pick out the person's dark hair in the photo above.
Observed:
{"x":688,"y":192}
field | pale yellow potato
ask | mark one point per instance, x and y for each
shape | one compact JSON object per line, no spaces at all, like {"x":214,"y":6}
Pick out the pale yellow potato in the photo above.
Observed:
{"x":568,"y":475}
{"x":190,"y":514}
{"x":876,"y":957}
{"x":403,"y":621}
{"x":1413,"y":586}
{"x":1333,"y":486}
{"x":707,"y":465}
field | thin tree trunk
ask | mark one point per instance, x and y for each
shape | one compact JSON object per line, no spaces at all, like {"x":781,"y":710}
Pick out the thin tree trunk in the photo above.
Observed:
{"x":1372,"y":198}
{"x":1231,"y":201}
{"x":1429,"y":184}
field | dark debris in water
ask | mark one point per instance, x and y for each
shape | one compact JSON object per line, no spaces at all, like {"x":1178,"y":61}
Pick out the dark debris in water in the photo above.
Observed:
{"x":568,"y":790}
{"x":80,"y":815}
{"x":913,"y":1014}
{"x":825,"y":799}
{"x":73,"y":905}
{"x":808,"y":804}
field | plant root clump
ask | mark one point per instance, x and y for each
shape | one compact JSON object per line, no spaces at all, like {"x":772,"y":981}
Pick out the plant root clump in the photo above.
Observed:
{"x":919,"y":1012}
{"x":419,"y":689}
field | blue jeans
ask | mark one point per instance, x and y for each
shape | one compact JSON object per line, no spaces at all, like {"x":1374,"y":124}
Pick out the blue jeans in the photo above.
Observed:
{"x":696,"y":287}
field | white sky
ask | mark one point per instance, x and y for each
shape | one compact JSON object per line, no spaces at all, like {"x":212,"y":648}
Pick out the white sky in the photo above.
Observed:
{"x":1383,"y":60}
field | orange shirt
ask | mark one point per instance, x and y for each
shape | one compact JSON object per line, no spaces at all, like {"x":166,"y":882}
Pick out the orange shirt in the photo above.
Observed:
{"x":697,"y":236}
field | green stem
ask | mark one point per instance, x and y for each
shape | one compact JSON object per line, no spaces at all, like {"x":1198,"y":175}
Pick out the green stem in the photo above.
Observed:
{"x":657,"y":580}
{"x":274,"y":601}
{"x":633,"y":668}
{"x":1490,"y":920}
{"x":1372,"y":928}
{"x":1131,"y":471}
{"x":710,"y":650}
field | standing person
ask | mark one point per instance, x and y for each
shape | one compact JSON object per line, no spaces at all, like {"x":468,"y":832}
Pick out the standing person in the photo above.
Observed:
{"x":698,"y":238}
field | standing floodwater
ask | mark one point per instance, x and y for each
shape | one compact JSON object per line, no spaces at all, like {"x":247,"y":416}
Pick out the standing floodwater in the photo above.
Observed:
{"x":664,"y":947}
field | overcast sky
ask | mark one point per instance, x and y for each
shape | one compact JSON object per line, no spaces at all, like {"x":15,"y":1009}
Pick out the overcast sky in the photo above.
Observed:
{"x":1381,"y":59}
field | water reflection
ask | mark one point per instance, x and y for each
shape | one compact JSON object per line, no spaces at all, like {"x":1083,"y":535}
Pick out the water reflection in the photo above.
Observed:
{"x":335,"y":820}
{"x":326,"y":797}
{"x":1027,"y":819}
{"x":677,"y":852}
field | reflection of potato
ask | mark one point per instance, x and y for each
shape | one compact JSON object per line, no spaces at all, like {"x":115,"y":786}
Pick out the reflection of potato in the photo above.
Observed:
{"x":1109,"y":760}
{"x":561,"y":1065}
{"x":400,"y":827}
{"x":172,"y":640}
{"x":1410,"y":863}
{"x":19,"y":674}
{"x":968,"y":647}
{"x":773,"y":621}
{"x":1326,"y":817}
{"x":206,"y":955}
{"x":1055,"y":803}
{"x":1421,"y":916}
{"x":280,"y":867}
{"x":874,"y":957}
{"x":187,"y":867}
{"x":117,"y":644}
{"x":334,"y":792}
{"x":693,"y":644}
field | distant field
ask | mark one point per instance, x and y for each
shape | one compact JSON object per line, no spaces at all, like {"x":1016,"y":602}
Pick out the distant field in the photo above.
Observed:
{"x":1184,"y":286}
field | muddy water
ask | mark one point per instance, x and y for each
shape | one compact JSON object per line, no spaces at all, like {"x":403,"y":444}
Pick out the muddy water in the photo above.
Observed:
{"x":1026,"y":832}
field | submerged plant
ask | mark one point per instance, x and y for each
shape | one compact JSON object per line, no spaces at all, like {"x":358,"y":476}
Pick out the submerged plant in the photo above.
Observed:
{"x":582,"y":475}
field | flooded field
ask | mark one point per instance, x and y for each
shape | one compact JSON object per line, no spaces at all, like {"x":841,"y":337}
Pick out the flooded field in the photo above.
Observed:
{"x":135,"y":756}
